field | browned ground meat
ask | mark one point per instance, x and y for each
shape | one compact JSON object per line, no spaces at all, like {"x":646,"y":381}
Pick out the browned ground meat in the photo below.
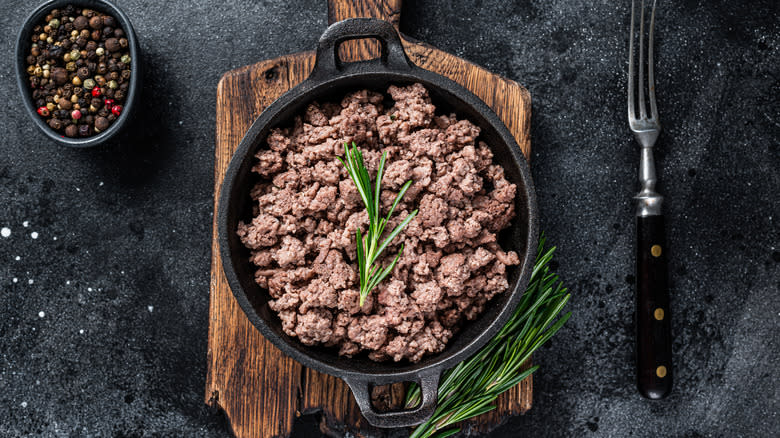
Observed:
{"x":302,"y":237}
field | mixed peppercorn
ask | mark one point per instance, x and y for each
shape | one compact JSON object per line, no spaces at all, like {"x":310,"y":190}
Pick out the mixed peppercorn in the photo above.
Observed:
{"x":79,"y":70}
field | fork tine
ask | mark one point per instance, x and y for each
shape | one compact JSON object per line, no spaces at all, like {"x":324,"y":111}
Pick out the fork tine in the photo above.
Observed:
{"x":650,"y":78}
{"x":631,"y":105}
{"x":641,"y":88}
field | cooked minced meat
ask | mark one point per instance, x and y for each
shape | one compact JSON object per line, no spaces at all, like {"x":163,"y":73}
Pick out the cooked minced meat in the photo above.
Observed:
{"x":302,"y":236}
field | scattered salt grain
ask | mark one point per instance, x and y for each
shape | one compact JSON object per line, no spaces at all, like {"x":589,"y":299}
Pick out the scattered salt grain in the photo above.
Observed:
{"x":151,"y":309}
{"x":5,"y":232}
{"x":34,"y":234}
{"x":24,"y":404}
{"x":16,"y":280}
{"x":30,"y":281}
{"x":17,"y":258}
{"x":41,"y":314}
{"x":26,"y":224}
{"x":81,"y":331}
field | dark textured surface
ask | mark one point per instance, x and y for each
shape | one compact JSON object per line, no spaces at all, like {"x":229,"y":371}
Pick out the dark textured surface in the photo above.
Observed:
{"x":104,"y":331}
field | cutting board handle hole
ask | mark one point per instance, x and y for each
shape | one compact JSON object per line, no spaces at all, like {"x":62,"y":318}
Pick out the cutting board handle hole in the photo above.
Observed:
{"x":363,"y":49}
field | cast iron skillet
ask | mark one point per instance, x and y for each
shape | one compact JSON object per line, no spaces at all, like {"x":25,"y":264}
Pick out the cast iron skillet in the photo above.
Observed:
{"x":331,"y":79}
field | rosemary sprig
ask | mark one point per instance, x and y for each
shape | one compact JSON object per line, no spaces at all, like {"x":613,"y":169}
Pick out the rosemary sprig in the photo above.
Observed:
{"x":368,"y":247}
{"x":473,"y":385}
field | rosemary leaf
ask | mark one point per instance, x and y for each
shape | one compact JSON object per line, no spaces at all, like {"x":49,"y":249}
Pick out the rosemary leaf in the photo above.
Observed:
{"x":369,"y":249}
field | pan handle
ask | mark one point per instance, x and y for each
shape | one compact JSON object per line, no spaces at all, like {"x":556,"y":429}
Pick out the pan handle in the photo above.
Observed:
{"x":429,"y":386}
{"x":392,"y":58}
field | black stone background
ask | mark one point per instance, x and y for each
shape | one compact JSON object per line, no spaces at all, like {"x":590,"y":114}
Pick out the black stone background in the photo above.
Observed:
{"x":124,"y":230}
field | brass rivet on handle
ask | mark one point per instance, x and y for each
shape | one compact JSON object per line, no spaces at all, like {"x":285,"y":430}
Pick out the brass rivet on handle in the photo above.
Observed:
{"x":659,"y":314}
{"x":660,"y":371}
{"x":655,"y":250}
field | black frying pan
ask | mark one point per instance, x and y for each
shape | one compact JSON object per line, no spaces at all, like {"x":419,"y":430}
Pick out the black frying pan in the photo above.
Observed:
{"x":332,"y":79}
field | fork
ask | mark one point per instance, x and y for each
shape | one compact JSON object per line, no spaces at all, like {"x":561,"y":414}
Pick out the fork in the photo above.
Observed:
{"x":654,"y":343}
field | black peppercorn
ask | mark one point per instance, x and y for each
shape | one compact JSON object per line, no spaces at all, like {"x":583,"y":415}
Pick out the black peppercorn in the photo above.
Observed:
{"x":83,"y":73}
{"x":96,"y":22}
{"x":123,"y":42}
{"x":119,"y":95}
{"x":109,"y":21}
{"x":84,"y":130}
{"x":55,"y":52}
{"x":71,"y":130}
{"x":107,"y":31}
{"x":119,"y":33}
{"x":101,"y":123}
{"x":112,"y":45}
{"x":55,"y":124}
{"x":102,"y":68}
{"x":80,"y":22}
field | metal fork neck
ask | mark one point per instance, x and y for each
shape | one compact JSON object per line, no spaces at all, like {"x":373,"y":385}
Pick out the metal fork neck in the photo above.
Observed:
{"x":648,"y":200}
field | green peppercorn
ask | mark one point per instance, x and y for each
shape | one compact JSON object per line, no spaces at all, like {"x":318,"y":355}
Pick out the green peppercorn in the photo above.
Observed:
{"x":112,"y":84}
{"x":100,"y":51}
{"x":54,"y":23}
{"x":71,"y":66}
{"x":125,"y":59}
{"x":74,"y":55}
{"x":89,"y":84}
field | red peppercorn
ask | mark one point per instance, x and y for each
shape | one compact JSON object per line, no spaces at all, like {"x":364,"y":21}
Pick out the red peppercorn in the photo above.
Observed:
{"x":116,"y":110}
{"x":43,"y":111}
{"x":108,"y":103}
{"x":96,"y":92}
{"x":76,"y":114}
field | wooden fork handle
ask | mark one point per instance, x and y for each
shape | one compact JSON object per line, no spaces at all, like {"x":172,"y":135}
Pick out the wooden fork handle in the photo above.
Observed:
{"x":654,"y":340}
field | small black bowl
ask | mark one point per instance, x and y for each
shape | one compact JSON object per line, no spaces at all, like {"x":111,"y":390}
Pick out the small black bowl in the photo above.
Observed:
{"x":24,"y":44}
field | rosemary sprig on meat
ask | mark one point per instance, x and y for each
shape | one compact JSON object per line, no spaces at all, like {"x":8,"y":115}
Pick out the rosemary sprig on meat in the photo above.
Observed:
{"x":472,"y":386}
{"x":368,"y":247}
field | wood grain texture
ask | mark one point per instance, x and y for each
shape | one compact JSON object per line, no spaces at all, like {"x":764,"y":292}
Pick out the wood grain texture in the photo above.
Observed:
{"x":260,"y":390}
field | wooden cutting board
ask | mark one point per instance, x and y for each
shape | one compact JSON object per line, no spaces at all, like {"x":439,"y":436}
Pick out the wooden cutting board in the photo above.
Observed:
{"x":261,"y":390}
